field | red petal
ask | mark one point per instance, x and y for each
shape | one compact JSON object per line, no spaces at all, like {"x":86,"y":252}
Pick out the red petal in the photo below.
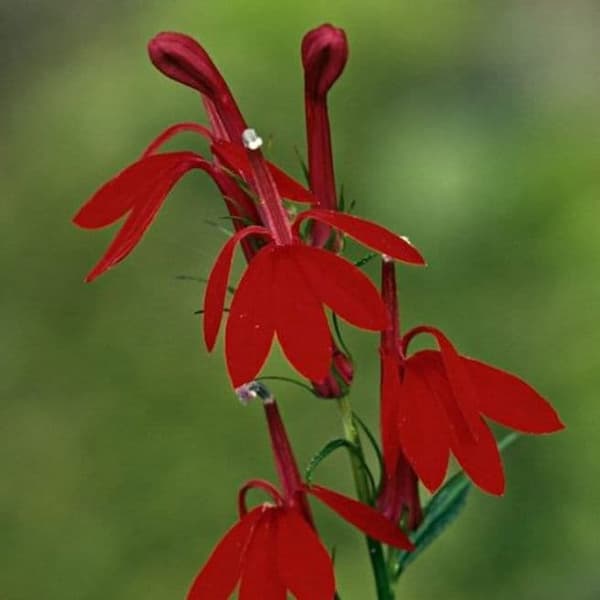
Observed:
{"x":300,"y":322}
{"x":478,"y":453}
{"x":289,"y":188}
{"x":220,"y":574}
{"x":145,"y":195}
{"x":259,"y":579}
{"x":367,"y":233}
{"x":510,"y":401}
{"x":303,"y":563}
{"x":390,"y":399}
{"x":365,"y":518}
{"x":463,"y":391}
{"x":146,"y":181}
{"x":343,"y":287}
{"x":480,"y":459}
{"x":216,"y":287}
{"x":236,"y":158}
{"x":172,"y":131}
{"x":423,"y":425}
{"x":250,"y":326}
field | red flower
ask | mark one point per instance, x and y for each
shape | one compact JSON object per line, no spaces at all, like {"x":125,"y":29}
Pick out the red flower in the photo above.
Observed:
{"x":435,"y":401}
{"x":284,"y":291}
{"x":273,"y":550}
{"x":442,"y":398}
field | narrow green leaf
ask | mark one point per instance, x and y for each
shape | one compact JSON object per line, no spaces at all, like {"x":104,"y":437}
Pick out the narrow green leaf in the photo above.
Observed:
{"x":328,"y":449}
{"x":373,"y":443}
{"x":303,"y":165}
{"x":440,"y":511}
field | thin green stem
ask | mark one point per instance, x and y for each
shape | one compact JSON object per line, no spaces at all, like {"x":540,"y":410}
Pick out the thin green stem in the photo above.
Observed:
{"x":361,"y":482}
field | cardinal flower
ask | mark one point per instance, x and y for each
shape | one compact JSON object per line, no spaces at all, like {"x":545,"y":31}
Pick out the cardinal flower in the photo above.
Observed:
{"x":273,"y":549}
{"x":436,"y":402}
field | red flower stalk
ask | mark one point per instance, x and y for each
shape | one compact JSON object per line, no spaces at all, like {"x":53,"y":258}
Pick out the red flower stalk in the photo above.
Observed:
{"x":434,"y":403}
{"x":274,"y":548}
{"x":324,"y":56}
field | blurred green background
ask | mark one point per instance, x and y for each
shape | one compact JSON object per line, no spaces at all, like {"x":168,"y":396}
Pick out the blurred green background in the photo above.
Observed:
{"x":471,"y":126}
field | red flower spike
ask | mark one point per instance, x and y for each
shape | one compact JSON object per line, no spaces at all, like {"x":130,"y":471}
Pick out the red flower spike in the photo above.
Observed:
{"x":367,"y":233}
{"x":216,"y":286}
{"x":363,"y":517}
{"x":181,"y":58}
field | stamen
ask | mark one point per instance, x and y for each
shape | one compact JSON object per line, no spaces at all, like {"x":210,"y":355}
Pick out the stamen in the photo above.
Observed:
{"x":251,"y":139}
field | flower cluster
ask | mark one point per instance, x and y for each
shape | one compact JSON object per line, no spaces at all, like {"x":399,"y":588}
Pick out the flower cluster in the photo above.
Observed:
{"x":432,"y":402}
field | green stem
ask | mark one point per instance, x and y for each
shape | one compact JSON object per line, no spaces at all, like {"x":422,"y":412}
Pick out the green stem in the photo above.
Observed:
{"x":361,"y":482}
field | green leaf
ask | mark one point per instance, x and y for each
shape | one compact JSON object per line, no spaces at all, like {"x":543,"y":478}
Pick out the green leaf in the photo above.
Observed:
{"x":303,"y":165}
{"x":372,"y":441}
{"x":328,"y":449}
{"x":441,"y":510}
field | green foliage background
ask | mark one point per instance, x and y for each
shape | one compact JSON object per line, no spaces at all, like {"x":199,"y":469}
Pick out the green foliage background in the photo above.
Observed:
{"x":471,"y":126}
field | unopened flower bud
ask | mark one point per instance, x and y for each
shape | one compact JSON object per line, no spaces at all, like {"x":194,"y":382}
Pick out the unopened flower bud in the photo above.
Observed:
{"x":181,"y":58}
{"x":324,"y":56}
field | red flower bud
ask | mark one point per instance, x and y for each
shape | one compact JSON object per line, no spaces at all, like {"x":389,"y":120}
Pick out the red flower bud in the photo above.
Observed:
{"x":181,"y":58}
{"x":324,"y":56}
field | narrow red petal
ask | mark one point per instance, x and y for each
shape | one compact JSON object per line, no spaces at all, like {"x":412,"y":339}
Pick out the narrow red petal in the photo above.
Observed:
{"x":363,"y":517}
{"x":216,"y":287}
{"x":220,"y":574}
{"x":300,"y":323}
{"x":510,"y":401}
{"x":147,"y":199}
{"x":390,"y":399}
{"x":250,"y":325}
{"x":423,"y":426}
{"x":289,"y":188}
{"x":343,"y":287}
{"x":367,"y":233}
{"x":259,"y":578}
{"x":172,"y":131}
{"x":147,"y":180}
{"x":480,"y":459}
{"x":463,"y":391}
{"x":234,"y":156}
{"x":303,"y":563}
